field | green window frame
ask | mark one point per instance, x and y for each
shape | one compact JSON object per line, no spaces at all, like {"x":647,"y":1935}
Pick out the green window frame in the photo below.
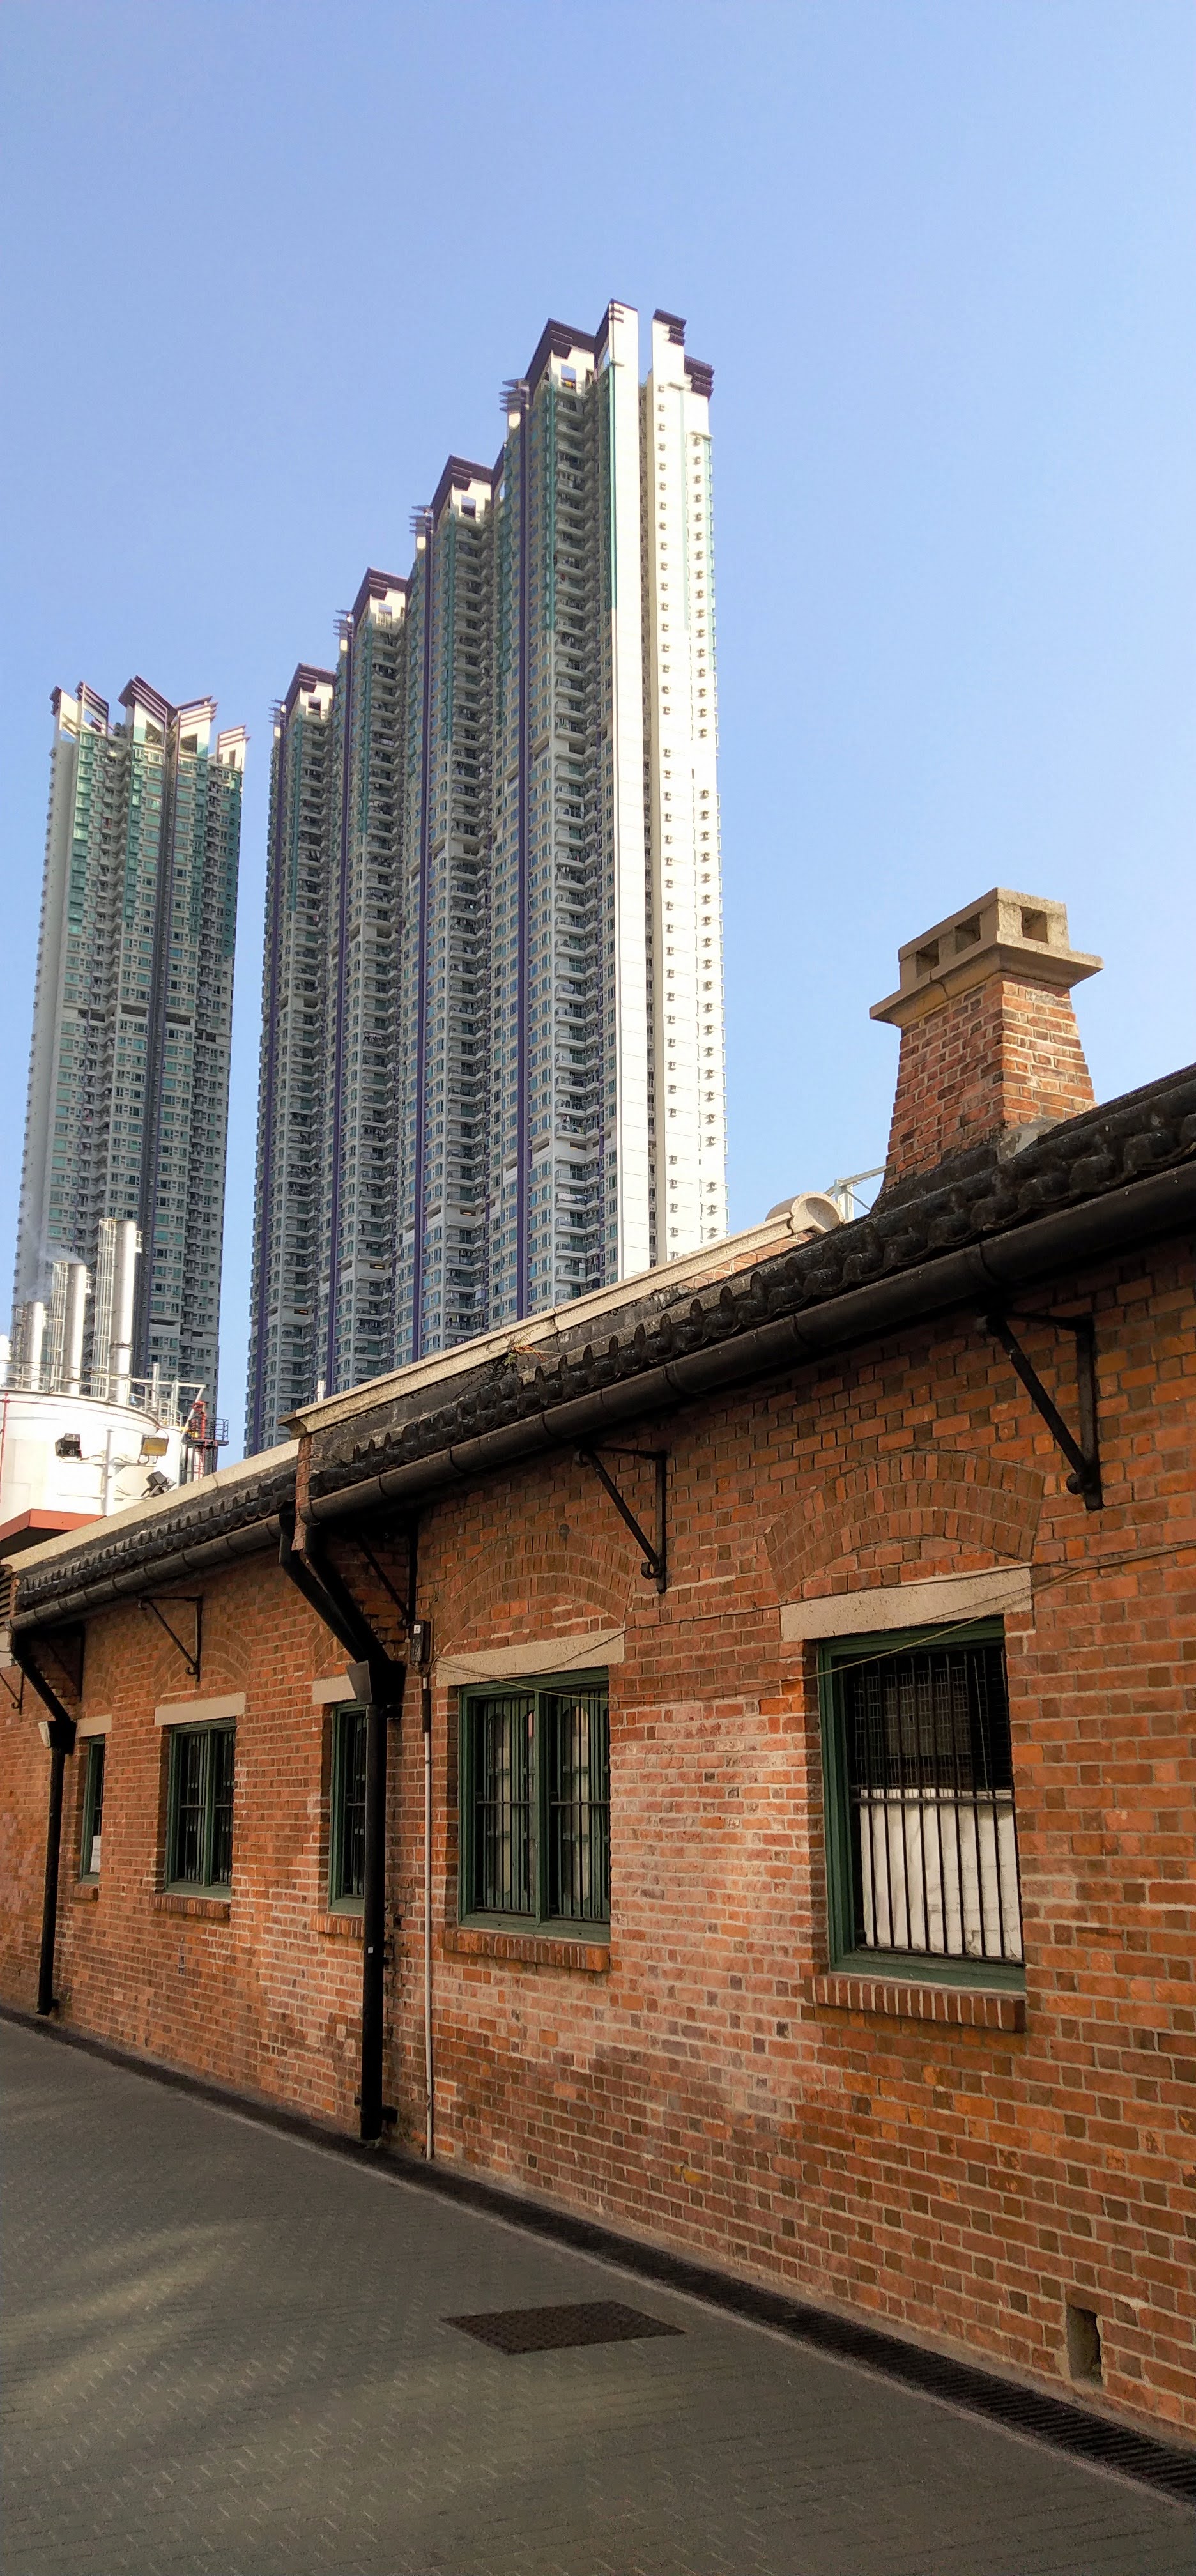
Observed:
{"x":93,"y":1807}
{"x":199,"y":1816}
{"x":346,"y":1816}
{"x":921,"y":1826}
{"x":535,"y":1803}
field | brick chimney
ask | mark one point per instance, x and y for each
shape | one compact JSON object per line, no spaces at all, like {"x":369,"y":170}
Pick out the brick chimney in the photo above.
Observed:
{"x":989,"y":1043}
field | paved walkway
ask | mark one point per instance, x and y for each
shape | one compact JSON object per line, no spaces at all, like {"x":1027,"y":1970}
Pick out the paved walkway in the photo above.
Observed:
{"x":226,"y":2351}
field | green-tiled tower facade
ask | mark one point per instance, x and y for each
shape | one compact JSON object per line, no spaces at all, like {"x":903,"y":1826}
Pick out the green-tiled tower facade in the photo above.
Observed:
{"x":128,"y":1085}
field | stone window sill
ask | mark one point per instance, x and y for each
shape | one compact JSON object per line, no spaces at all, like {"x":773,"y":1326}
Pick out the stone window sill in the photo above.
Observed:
{"x":338,"y":1927}
{"x":963,"y":2007}
{"x":535,"y":1949}
{"x":206,"y":1909}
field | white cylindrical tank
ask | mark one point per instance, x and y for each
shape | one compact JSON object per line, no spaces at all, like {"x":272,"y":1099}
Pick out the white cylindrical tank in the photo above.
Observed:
{"x":54,"y":1450}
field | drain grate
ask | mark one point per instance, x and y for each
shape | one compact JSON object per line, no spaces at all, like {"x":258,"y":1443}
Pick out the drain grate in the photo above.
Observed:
{"x":554,"y":2329}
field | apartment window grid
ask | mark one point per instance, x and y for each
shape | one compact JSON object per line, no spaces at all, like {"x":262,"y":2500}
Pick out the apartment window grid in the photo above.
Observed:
{"x":199,"y":1842}
{"x":346,"y":1838}
{"x":922,"y":1859}
{"x":535,"y":1803}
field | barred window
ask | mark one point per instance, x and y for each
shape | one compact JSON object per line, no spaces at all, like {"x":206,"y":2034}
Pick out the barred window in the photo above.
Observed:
{"x":199,"y":1834}
{"x":346,"y":1840}
{"x":93,"y":1809}
{"x":922,"y":1833}
{"x":535,"y":1803}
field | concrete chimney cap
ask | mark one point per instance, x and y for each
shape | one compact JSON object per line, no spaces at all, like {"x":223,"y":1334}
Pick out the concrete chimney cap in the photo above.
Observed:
{"x":1002,"y":933}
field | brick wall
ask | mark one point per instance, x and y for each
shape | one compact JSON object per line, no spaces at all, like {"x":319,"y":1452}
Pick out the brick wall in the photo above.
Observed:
{"x":994,"y":1058}
{"x":704,"y":2083}
{"x":263,"y":1990}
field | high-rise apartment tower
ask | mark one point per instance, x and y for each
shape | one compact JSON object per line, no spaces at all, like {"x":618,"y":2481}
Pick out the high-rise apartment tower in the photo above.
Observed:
{"x":128,"y":1076}
{"x":492,"y":1053}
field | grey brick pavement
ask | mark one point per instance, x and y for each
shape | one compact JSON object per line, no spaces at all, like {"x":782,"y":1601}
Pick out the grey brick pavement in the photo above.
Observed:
{"x":225,"y":2351}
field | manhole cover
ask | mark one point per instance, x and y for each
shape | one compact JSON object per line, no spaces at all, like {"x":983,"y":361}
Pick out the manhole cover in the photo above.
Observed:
{"x":551,"y":2329}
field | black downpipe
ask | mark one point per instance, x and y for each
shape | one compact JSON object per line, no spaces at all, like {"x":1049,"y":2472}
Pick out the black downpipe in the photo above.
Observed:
{"x":373,"y":1926}
{"x":378,"y":1682}
{"x":61,"y":1731}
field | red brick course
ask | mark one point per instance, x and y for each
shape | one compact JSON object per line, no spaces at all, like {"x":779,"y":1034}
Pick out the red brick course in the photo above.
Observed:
{"x":993,"y":1058}
{"x":971,"y":2007}
{"x":709,"y":2081}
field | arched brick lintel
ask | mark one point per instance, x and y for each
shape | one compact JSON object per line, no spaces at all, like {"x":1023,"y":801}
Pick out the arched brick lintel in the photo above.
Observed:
{"x":941,"y":1509}
{"x":532,"y":1581}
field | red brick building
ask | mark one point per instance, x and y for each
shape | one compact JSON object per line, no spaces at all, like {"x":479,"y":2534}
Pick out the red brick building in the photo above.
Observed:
{"x":811,"y":1864}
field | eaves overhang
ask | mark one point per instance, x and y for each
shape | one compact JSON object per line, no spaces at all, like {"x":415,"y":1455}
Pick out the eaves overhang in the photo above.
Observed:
{"x":202,"y":1526}
{"x":983,"y":1226}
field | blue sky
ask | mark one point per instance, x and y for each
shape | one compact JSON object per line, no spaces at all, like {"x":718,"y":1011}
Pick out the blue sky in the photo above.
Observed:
{"x":274,"y":260}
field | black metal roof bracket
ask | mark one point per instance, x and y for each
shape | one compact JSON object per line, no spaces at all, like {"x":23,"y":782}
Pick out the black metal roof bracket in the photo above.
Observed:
{"x":406,"y":1609}
{"x":325,"y":1589}
{"x":62,"y":1724}
{"x":192,"y":1601}
{"x":656,"y":1565}
{"x":66,"y":1647}
{"x":1082,"y":1455}
{"x":386,"y":1675}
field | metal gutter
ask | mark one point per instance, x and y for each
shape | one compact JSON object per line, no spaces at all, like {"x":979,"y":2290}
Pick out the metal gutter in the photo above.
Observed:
{"x":108,"y":1588}
{"x":1127,"y":1217}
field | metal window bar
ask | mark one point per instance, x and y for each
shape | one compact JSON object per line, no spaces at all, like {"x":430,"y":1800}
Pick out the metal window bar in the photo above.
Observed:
{"x":93,"y":1809}
{"x":187,"y":1810}
{"x":348,"y":1867}
{"x":221,"y":1787}
{"x":930,"y":1785}
{"x":577,"y":1757}
{"x":504,"y":1772}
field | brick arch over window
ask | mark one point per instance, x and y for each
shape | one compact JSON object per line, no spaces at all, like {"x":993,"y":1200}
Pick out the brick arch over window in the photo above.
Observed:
{"x":505,"y":1582}
{"x":130,"y":1656}
{"x":944,"y":1510}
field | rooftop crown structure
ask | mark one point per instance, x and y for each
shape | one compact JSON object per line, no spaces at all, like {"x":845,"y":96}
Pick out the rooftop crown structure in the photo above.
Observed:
{"x":492,"y":1055}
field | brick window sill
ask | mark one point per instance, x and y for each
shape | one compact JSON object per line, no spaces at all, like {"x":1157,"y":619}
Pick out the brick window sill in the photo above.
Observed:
{"x":338,"y":1927}
{"x":536,"y":1949}
{"x":206,"y":1909}
{"x":86,"y":1891}
{"x":964,"y":2007}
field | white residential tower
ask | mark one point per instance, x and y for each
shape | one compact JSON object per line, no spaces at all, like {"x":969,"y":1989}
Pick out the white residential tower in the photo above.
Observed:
{"x":492,"y":1059}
